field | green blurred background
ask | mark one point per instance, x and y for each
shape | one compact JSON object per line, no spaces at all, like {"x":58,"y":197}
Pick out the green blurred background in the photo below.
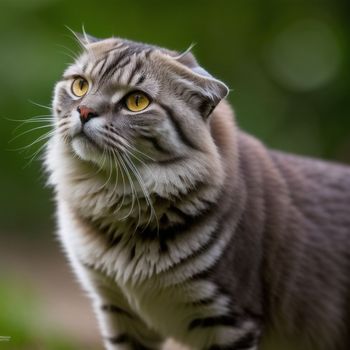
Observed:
{"x":286,"y":61}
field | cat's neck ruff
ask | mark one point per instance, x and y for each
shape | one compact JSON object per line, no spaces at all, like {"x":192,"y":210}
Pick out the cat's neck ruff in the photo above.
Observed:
{"x":106,"y":195}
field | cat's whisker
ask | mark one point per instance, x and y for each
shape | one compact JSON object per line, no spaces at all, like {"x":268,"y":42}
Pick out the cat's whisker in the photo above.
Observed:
{"x":100,"y":167}
{"x":71,"y":54}
{"x":144,"y":191}
{"x":115,"y":155}
{"x":116,"y":166}
{"x":37,"y":119}
{"x":40,"y":120}
{"x":40,"y":105}
{"x":115,"y":161}
{"x":111,"y":169}
{"x":136,"y":173}
{"x":126,"y":150}
{"x":134,"y":149}
{"x":114,"y":143}
{"x":133,"y":194}
{"x":35,"y":155}
{"x":39,"y":139}
{"x":82,"y":44}
{"x":104,"y":159}
{"x":62,"y":132}
{"x":29,"y":131}
{"x":67,"y":55}
{"x":184,"y":53}
{"x":130,"y":164}
{"x":43,"y":137}
{"x":84,"y":33}
{"x":106,"y":183}
{"x":77,"y":39}
{"x":127,"y":144}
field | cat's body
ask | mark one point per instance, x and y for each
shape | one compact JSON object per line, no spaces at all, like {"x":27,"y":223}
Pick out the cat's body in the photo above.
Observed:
{"x":215,"y":241}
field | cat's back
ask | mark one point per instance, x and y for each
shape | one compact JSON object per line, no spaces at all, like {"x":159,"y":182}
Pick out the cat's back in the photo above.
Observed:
{"x":314,"y":250}
{"x":321,"y":189}
{"x":318,"y":190}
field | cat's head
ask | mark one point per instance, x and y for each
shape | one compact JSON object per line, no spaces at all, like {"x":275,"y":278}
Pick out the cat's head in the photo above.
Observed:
{"x":136,"y":104}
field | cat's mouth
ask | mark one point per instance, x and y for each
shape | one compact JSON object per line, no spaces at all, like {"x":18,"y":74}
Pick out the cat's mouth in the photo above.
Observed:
{"x":85,"y":137}
{"x":86,"y":147}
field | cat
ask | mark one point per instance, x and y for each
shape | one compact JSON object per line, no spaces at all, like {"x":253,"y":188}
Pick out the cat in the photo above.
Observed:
{"x":180,"y":225}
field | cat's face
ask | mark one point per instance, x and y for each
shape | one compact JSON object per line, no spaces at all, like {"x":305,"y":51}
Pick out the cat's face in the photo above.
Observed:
{"x":133,"y":119}
{"x":122,"y":97}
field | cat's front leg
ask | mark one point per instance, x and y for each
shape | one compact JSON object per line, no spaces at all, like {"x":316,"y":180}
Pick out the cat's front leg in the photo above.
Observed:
{"x":246,"y":342}
{"x":123,"y":330}
{"x":225,"y":337}
{"x":121,"y":327}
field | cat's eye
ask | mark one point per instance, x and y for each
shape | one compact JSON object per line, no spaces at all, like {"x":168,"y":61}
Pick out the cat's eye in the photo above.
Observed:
{"x":80,"y":87}
{"x":137,"y":101}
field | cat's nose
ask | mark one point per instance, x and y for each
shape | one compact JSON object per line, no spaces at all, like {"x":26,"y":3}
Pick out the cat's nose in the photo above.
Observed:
{"x":86,"y":114}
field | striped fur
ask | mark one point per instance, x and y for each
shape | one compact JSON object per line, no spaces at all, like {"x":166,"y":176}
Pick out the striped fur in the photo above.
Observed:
{"x":165,"y":214}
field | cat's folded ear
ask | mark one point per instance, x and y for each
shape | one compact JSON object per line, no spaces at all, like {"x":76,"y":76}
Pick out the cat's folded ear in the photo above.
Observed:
{"x":207,"y":91}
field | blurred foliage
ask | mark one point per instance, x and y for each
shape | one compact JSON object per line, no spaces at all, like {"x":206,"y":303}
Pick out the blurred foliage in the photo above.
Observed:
{"x":287,"y":62}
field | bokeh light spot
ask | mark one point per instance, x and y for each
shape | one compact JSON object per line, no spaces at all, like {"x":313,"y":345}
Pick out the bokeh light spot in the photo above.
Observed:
{"x":305,"y":55}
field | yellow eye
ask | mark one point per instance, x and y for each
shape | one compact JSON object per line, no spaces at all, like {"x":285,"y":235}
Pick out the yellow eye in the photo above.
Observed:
{"x":137,"y":101}
{"x":79,"y":87}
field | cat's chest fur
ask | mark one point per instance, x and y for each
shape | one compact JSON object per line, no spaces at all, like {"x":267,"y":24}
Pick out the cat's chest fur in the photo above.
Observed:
{"x":163,"y":305}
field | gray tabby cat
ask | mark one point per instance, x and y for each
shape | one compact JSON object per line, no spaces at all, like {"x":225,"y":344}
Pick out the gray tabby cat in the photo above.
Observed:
{"x":180,"y":225}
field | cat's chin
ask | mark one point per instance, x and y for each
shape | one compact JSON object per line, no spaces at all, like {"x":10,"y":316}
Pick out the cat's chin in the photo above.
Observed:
{"x":86,"y":149}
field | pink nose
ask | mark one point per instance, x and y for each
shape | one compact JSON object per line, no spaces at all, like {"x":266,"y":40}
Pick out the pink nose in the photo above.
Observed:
{"x":86,"y":113}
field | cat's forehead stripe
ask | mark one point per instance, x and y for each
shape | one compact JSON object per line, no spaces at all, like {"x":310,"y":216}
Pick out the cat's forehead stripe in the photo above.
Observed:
{"x":116,"y":63}
{"x":104,"y":63}
{"x":130,"y":48}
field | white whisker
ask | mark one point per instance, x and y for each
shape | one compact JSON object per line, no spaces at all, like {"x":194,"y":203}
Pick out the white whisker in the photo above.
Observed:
{"x":116,"y":164}
{"x":40,"y":105}
{"x":129,"y":163}
{"x":113,"y":142}
{"x":130,"y":149}
{"x":36,"y":119}
{"x":36,"y":153}
{"x":145,"y":192}
{"x":123,"y":179}
{"x":78,"y":40}
{"x":126,"y":143}
{"x":133,"y":194}
{"x":71,"y":54}
{"x":41,"y":138}
{"x":28,"y":131}
{"x":106,"y":183}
